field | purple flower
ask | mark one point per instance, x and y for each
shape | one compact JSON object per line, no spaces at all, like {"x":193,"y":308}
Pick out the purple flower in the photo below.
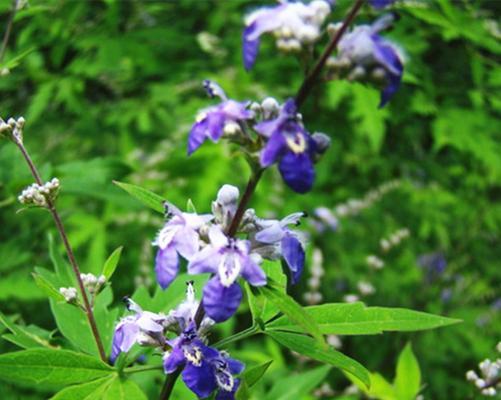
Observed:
{"x":179,"y":236}
{"x":212,"y":122}
{"x":292,"y":146}
{"x":380,"y":3}
{"x":290,"y":247}
{"x":228,"y":259}
{"x":365,"y":49}
{"x":204,"y":369}
{"x":434,"y":264}
{"x":144,"y":327}
{"x":293,"y":23}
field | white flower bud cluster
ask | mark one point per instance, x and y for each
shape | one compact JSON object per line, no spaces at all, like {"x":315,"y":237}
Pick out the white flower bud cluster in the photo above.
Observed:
{"x":374,"y":262}
{"x":301,"y":25}
{"x":354,"y":206}
{"x":93,"y":283}
{"x":489,"y":380}
{"x":39,"y":195}
{"x":4,"y":71}
{"x":313,"y":295}
{"x":69,"y":293}
{"x":394,"y":239}
{"x":12,"y":129}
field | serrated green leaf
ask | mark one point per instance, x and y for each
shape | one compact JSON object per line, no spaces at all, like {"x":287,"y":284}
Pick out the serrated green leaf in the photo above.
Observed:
{"x":408,"y":376}
{"x":298,"y":385}
{"x":111,"y":263}
{"x":146,"y":197}
{"x":48,"y":288}
{"x":357,"y":319}
{"x":309,"y":347}
{"x":292,"y":310}
{"x":51,"y":367}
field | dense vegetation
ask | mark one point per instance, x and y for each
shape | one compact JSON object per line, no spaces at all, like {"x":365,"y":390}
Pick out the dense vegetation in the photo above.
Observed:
{"x":109,"y":91}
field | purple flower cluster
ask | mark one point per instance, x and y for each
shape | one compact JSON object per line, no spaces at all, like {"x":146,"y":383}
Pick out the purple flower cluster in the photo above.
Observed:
{"x":364,"y":55}
{"x":203,"y":242}
{"x":294,"y":24}
{"x":205,"y":369}
{"x":287,"y":142}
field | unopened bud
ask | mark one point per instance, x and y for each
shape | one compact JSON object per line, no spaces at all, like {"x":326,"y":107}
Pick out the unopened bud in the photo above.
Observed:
{"x":70,"y":294}
{"x":322,"y":142}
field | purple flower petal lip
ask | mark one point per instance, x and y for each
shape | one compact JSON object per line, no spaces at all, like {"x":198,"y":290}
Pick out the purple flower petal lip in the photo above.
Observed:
{"x":253,"y":273}
{"x":297,"y":171}
{"x":173,"y":360}
{"x":275,"y":148}
{"x":221,"y":302}
{"x":206,"y":260}
{"x":211,"y":121}
{"x":387,"y":56}
{"x":200,"y":379}
{"x":294,"y":256}
{"x":250,"y":47}
{"x":166,"y":266}
{"x":186,"y":242}
{"x":124,"y":337}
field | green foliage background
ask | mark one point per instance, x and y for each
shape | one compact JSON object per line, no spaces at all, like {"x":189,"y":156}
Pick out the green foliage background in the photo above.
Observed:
{"x":110,"y":89}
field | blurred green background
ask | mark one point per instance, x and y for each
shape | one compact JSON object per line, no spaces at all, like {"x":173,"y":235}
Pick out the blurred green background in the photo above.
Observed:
{"x":110,"y":89}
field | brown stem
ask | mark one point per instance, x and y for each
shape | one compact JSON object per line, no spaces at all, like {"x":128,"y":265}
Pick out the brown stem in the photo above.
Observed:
{"x":301,"y":96}
{"x":8,"y":30}
{"x":69,"y":251}
{"x":314,"y":74}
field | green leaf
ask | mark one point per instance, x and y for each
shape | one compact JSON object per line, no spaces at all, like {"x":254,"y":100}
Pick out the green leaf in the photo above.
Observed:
{"x":305,"y":345}
{"x":84,"y":391}
{"x":24,"y":336}
{"x":252,"y":375}
{"x":292,"y":310}
{"x":111,"y":263}
{"x":357,"y":319}
{"x":123,"y":389}
{"x":146,"y":197}
{"x":47,"y":287}
{"x":408,"y":377}
{"x":190,"y":207}
{"x":380,"y":388}
{"x":61,"y":267}
{"x":51,"y":367}
{"x":298,"y":385}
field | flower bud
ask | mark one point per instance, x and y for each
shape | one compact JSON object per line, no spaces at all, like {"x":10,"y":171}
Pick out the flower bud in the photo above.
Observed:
{"x":322,"y":142}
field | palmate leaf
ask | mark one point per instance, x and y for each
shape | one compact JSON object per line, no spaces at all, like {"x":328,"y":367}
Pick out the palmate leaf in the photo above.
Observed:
{"x":146,"y":197}
{"x":46,"y":367}
{"x":309,"y":347}
{"x":357,"y":319}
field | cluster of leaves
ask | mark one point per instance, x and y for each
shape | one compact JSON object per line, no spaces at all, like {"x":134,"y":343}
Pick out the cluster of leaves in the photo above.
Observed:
{"x":109,"y":90}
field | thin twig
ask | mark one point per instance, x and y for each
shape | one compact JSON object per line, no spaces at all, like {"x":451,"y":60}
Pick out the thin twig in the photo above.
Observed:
{"x":8,"y":30}
{"x":314,"y":74}
{"x":69,"y":251}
